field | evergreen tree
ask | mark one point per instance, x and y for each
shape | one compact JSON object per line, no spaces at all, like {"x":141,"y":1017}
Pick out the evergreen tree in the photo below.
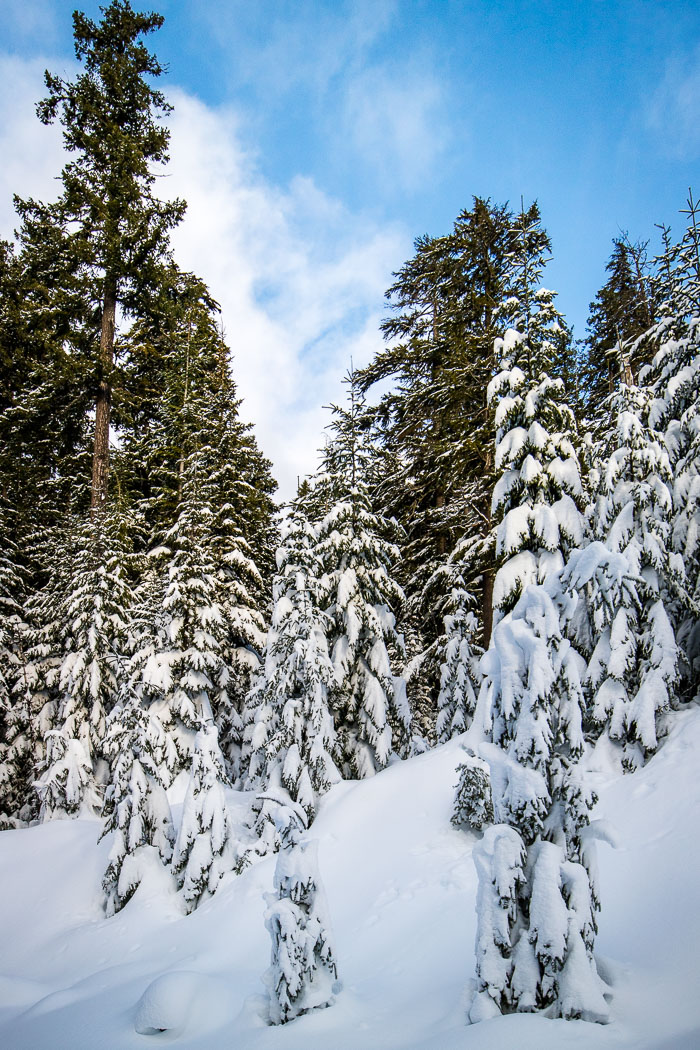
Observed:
{"x":292,"y":740}
{"x":136,"y":806}
{"x":187,"y":663}
{"x":634,"y":666}
{"x":303,"y":973}
{"x":204,"y":850}
{"x":621,"y":312}
{"x":92,"y":614}
{"x":433,"y":422}
{"x":460,"y":676}
{"x":674,"y":377}
{"x":109,"y":230}
{"x":368,"y":701}
{"x":537,"y":903}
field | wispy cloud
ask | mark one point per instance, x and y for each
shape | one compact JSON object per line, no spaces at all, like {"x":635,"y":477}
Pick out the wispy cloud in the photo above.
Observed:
{"x":397,"y":120}
{"x":674,"y":109}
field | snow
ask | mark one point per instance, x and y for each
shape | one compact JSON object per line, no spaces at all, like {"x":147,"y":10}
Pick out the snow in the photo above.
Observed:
{"x":401,"y":887}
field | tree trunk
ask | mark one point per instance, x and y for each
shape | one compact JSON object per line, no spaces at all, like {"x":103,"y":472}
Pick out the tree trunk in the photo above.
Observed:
{"x":103,"y":405}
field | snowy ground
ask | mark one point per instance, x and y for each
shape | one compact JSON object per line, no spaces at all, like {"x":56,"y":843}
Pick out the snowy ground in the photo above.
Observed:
{"x":401,"y":888}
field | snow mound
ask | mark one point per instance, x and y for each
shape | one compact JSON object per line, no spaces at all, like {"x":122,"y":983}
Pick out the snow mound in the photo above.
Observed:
{"x":174,"y":1000}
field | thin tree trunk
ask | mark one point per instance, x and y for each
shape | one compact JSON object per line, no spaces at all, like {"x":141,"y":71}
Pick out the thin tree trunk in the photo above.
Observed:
{"x":103,"y":405}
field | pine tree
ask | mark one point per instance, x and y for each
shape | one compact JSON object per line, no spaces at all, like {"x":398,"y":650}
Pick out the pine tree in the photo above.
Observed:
{"x":623,"y":310}
{"x":303,"y":973}
{"x":136,"y":806}
{"x":109,"y":230}
{"x":204,"y":850}
{"x":292,"y":738}
{"x":674,"y":377}
{"x":537,"y":902}
{"x":93,"y":611}
{"x":370,"y":710}
{"x":633,"y":669}
{"x":187,"y":663}
{"x":460,"y":676}
{"x":433,"y":423}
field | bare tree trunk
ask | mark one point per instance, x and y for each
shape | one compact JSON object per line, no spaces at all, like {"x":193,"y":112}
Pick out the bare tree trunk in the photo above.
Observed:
{"x":103,"y":405}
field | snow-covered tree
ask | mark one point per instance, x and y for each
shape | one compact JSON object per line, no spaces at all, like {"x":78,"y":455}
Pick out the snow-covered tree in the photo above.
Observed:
{"x":292,"y":738}
{"x":674,"y":377}
{"x":536,"y":919}
{"x":13,"y":632}
{"x":185,"y":662}
{"x":544,"y":926}
{"x":303,"y":973}
{"x":204,"y":850}
{"x":633,"y":668}
{"x":136,"y":806}
{"x":85,"y":634}
{"x":459,"y":674}
{"x":370,"y":710}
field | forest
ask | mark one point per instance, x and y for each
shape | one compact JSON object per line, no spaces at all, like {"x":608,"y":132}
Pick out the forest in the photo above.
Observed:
{"x":503,"y":542}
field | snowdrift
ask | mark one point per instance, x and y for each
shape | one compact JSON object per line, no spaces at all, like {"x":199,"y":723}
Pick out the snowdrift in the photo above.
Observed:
{"x":401,"y":887}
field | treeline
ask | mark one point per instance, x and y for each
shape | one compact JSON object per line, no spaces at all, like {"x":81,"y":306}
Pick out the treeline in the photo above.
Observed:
{"x":507,"y":540}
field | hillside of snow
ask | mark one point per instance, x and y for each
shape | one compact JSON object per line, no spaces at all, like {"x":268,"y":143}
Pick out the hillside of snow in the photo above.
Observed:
{"x":401,"y":888}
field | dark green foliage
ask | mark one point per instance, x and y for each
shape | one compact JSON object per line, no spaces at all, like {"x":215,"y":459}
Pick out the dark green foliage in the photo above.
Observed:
{"x":622,"y":310}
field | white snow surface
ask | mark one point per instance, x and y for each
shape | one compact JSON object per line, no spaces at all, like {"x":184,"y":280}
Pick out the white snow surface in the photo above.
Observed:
{"x":401,"y":888}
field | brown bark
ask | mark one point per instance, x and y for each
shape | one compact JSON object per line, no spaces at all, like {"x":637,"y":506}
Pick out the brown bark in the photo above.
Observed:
{"x":103,"y":404}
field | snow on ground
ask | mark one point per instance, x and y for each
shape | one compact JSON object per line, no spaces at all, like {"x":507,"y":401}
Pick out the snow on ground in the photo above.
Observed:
{"x":401,"y":887}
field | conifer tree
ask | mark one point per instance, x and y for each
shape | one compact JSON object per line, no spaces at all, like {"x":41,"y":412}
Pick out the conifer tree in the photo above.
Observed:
{"x":302,"y":975}
{"x":674,"y":377}
{"x":187,"y":664}
{"x":136,"y":806}
{"x":537,"y":903}
{"x":92,"y":613}
{"x":109,"y":229}
{"x":292,"y":739}
{"x":370,"y":710}
{"x":622,"y":311}
{"x":204,"y":850}
{"x":433,"y":423}
{"x":460,"y":676}
{"x":633,"y":669}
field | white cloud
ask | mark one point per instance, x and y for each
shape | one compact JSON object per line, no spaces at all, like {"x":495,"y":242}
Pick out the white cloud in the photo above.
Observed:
{"x":299,"y":278}
{"x":674,"y":110}
{"x":300,"y":281}
{"x":31,"y":154}
{"x":397,"y":120}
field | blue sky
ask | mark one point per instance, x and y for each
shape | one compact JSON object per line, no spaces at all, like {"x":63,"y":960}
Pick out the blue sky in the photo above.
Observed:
{"x":349,"y":128}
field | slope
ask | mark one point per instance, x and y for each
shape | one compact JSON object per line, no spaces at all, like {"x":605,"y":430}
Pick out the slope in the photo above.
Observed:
{"x":401,"y":887}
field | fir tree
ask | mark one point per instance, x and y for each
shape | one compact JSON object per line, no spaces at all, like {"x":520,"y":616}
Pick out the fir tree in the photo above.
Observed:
{"x":303,"y":973}
{"x":622,"y":311}
{"x":204,"y":850}
{"x":93,"y":612}
{"x":674,"y":377}
{"x":460,"y":677}
{"x":108,"y":227}
{"x":136,"y":805}
{"x":292,"y":738}
{"x":634,"y":666}
{"x":537,"y":903}
{"x":359,"y":594}
{"x":188,"y":662}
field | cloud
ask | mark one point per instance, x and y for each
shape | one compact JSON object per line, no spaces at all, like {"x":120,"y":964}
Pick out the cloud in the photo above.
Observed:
{"x":397,"y":120}
{"x":32,"y":155}
{"x":674,"y":110}
{"x":300,"y":278}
